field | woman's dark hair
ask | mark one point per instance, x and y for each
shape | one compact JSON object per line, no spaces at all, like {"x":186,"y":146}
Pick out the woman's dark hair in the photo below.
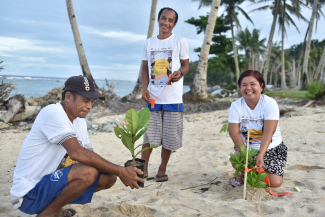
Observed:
{"x":256,"y":74}
{"x":166,"y":8}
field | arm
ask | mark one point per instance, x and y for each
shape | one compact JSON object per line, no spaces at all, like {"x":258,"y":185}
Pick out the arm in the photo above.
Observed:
{"x":269,"y":130}
{"x":128,"y":175}
{"x":234,"y":133}
{"x":185,"y":66}
{"x":145,"y":81}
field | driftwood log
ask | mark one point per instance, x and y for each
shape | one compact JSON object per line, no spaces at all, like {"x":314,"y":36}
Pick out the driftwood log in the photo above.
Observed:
{"x":14,"y":105}
{"x":27,"y":115}
{"x":217,"y":87}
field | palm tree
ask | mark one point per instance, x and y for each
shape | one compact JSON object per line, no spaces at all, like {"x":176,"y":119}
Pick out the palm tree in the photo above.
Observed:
{"x":244,"y":38}
{"x":281,"y":9}
{"x":311,"y":26}
{"x":275,"y":58}
{"x":232,"y":6}
{"x":199,"y":86}
{"x":137,"y":91}
{"x":251,"y":44}
{"x":76,"y":35}
{"x":257,"y":45}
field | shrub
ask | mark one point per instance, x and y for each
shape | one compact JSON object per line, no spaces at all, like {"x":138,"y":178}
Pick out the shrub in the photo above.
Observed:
{"x":315,"y":90}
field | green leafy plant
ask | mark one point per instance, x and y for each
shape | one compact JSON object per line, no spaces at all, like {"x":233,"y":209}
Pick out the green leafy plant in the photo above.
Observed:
{"x":254,"y":180}
{"x":136,"y":126}
{"x":224,"y":128}
{"x":315,"y":90}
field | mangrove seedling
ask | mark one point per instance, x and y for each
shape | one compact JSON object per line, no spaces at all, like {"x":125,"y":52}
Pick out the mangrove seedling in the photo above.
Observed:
{"x":136,"y":126}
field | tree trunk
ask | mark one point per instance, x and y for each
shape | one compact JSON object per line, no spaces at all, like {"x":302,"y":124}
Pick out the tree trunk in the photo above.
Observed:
{"x":235,"y":54}
{"x":276,"y":76}
{"x":293,"y":78}
{"x":272,"y":71}
{"x":137,"y":91}
{"x":268,"y":49}
{"x":199,"y":86}
{"x":319,"y":65}
{"x":283,"y":74}
{"x":14,"y":105}
{"x":253,"y":59}
{"x":311,"y":26}
{"x":322,"y":73}
{"x":299,"y":63}
{"x":81,"y":53}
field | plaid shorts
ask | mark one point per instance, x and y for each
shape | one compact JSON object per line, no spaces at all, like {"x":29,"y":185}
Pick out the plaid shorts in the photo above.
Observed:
{"x":166,"y":129}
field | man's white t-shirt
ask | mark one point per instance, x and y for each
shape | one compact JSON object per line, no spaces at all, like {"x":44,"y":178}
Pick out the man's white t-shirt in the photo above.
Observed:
{"x":266,"y":109}
{"x":163,"y":58}
{"x":42,"y":150}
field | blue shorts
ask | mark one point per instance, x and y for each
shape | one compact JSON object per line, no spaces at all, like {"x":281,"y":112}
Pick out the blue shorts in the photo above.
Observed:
{"x":37,"y":199}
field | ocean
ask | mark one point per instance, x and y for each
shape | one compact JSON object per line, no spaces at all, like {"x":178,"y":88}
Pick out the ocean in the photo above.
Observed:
{"x":39,"y":86}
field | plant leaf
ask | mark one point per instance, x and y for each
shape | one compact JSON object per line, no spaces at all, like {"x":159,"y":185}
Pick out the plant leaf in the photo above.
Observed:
{"x":138,"y":136}
{"x":144,"y":117}
{"x":142,"y":144}
{"x":236,"y":173}
{"x":261,"y":185}
{"x":261,"y":176}
{"x":127,"y":141}
{"x":132,"y":120}
{"x":119,"y":132}
{"x":152,"y":146}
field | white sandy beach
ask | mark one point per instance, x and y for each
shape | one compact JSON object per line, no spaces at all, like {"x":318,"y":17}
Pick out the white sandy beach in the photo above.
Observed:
{"x":202,"y":159}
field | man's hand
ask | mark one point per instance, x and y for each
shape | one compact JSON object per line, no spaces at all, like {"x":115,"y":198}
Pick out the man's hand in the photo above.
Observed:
{"x":146,"y":96}
{"x":176,"y":76}
{"x":259,"y":161}
{"x":129,"y":177}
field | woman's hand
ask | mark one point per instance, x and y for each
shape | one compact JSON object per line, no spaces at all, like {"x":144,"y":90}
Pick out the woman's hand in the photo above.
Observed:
{"x":259,"y":162}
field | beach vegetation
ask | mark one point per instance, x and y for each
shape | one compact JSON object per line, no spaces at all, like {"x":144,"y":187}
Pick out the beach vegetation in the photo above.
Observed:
{"x":290,"y":94}
{"x":136,"y":126}
{"x":315,"y":90}
{"x":253,"y":180}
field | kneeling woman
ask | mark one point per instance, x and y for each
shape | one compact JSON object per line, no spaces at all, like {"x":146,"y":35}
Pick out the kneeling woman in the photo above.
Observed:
{"x":258,"y":111}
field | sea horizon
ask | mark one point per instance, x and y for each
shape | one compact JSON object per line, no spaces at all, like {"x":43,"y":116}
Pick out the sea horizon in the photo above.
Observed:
{"x":38,"y":86}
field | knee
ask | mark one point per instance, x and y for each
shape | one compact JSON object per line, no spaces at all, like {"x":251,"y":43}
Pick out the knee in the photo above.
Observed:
{"x":90,"y":174}
{"x":111,"y":182}
{"x":276,"y":184}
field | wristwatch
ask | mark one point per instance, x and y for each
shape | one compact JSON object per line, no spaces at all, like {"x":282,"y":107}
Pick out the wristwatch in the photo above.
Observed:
{"x":182,"y":74}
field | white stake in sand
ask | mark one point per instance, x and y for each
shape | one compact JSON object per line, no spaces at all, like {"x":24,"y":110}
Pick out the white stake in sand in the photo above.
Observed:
{"x":246,"y":164}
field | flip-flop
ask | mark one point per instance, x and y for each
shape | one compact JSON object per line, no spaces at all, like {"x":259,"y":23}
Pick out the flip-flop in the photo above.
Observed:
{"x":65,"y":214}
{"x":164,"y":180}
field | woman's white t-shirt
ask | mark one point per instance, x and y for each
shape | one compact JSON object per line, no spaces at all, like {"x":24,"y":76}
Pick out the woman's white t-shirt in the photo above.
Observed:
{"x":266,"y":109}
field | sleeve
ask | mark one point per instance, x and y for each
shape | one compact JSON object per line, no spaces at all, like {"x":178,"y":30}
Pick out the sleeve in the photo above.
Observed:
{"x":184,"y":52}
{"x":56,"y":127}
{"x":271,"y":110}
{"x":144,"y":52}
{"x":234,"y":116}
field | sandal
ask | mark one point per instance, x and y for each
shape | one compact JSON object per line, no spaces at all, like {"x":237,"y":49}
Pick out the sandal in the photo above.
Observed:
{"x":65,"y":212}
{"x":163,"y":180}
{"x":235,"y":183}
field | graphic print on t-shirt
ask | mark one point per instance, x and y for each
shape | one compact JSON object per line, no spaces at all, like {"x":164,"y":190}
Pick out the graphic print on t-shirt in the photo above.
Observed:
{"x":161,"y":65}
{"x":248,"y":123}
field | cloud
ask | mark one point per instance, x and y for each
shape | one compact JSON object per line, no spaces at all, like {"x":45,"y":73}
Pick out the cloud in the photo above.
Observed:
{"x":120,"y":35}
{"x":16,"y":44}
{"x":32,"y":59}
{"x":5,"y":55}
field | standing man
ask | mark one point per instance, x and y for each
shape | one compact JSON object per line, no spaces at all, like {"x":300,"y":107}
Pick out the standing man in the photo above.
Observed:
{"x":166,"y":120}
{"x":60,"y":130}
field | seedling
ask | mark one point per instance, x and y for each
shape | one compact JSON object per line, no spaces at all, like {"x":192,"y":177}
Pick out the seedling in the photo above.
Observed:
{"x":136,"y":126}
{"x":224,"y":128}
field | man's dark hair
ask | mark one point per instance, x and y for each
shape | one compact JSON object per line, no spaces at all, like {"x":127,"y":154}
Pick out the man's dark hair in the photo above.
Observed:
{"x":166,"y":8}
{"x":74,"y":94}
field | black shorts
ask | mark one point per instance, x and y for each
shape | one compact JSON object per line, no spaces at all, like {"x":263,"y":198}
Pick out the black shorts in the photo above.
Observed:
{"x":275,"y":159}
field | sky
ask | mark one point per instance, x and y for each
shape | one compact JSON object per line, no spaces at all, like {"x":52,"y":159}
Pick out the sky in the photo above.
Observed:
{"x":36,"y":37}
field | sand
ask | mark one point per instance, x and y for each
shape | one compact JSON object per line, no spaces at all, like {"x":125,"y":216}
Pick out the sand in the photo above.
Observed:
{"x":202,"y":159}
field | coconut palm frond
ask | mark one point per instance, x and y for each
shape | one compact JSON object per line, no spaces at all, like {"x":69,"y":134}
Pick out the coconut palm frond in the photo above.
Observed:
{"x":245,"y":14}
{"x":263,"y":8}
{"x":289,"y":21}
{"x":204,"y":3}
